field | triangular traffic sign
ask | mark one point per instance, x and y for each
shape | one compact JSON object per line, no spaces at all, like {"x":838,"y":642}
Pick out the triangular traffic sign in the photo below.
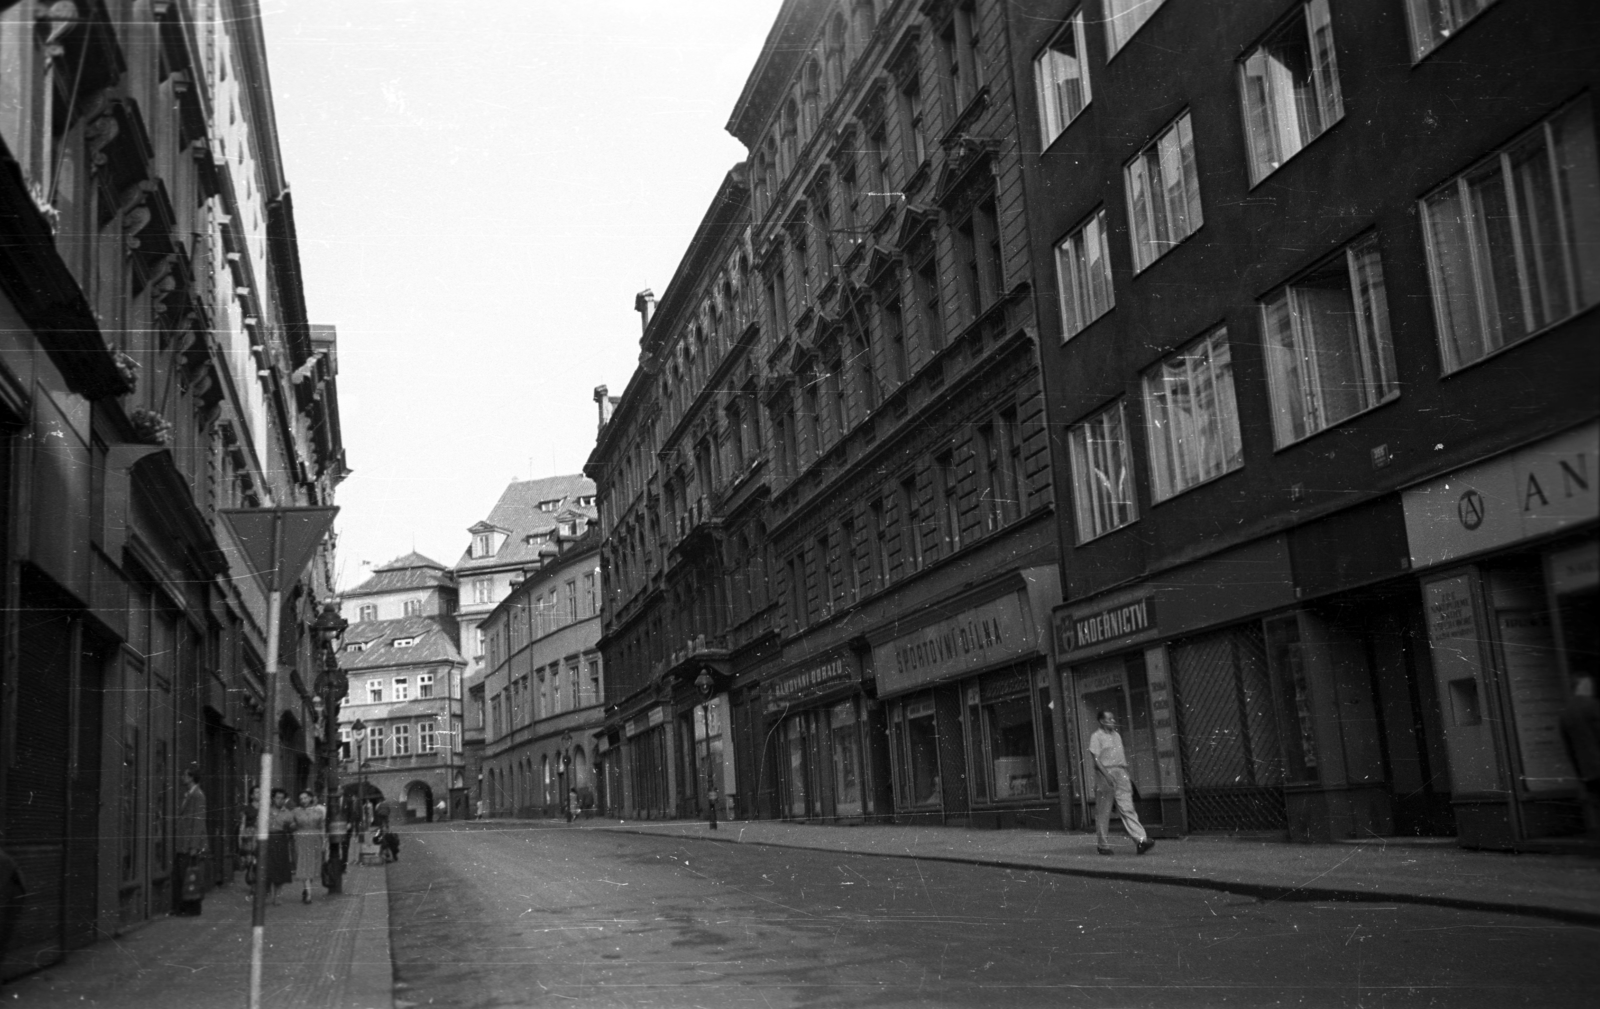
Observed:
{"x":298,"y":531}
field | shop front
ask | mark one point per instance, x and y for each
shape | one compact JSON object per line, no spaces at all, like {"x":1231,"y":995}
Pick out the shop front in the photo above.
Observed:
{"x":1297,"y":703}
{"x":706,"y":764}
{"x":1507,"y":556}
{"x":974,"y":730}
{"x":1132,"y":684}
{"x":645,"y":763}
{"x":822,"y":725}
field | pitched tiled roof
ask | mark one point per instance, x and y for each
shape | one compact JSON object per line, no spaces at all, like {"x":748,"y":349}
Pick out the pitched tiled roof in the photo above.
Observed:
{"x":435,"y":642}
{"x":517,"y":513}
{"x":413,"y":571}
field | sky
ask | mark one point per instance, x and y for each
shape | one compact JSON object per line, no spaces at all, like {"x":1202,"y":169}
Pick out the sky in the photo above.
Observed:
{"x":480,"y":191}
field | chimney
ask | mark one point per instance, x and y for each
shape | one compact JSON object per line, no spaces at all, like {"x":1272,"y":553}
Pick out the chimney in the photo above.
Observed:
{"x":606,"y":401}
{"x":645,"y":304}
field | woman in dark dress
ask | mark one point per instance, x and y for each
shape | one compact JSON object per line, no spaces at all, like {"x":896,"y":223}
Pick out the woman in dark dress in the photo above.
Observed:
{"x":280,"y":849}
{"x":249,"y":858}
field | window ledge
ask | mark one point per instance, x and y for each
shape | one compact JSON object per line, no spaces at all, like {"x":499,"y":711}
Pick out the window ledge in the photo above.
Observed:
{"x":1196,"y":486}
{"x":1519,"y":341}
{"x":1393,"y":397}
{"x":1169,"y":250}
{"x":1293,"y":157}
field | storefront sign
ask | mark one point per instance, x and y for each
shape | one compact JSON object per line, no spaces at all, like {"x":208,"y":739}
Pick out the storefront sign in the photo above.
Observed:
{"x":654,"y":717}
{"x":1537,"y":490}
{"x":790,"y":688}
{"x":1097,"y":627}
{"x":976,"y":639}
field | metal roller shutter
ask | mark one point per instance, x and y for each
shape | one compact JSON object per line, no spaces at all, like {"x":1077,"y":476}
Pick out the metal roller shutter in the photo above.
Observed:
{"x":1232,"y":759}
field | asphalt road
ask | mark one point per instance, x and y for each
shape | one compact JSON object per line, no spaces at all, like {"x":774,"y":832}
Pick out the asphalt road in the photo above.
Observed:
{"x":564,"y":916}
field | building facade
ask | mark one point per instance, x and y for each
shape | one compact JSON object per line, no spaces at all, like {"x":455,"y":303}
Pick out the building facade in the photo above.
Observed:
{"x":400,"y":727}
{"x":157,"y":367}
{"x":529,"y":514}
{"x":1321,"y":357}
{"x":826,"y":493}
{"x":544,"y":685}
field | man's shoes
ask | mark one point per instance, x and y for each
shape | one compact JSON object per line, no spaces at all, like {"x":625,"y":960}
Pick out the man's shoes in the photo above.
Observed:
{"x":1144,"y":846}
{"x":1103,"y":850}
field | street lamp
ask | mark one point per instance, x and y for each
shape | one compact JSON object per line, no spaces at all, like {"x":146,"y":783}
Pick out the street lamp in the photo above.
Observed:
{"x":566,"y":761}
{"x":332,"y":686}
{"x":358,"y":732}
{"x":706,"y":683}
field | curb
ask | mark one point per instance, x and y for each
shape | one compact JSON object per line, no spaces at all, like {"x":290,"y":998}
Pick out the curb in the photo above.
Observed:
{"x":1263,"y":891}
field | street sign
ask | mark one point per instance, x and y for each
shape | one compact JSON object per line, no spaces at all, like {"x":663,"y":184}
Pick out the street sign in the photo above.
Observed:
{"x":301,"y":530}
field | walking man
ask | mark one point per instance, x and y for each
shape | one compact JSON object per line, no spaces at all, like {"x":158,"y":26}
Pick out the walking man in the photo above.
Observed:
{"x":1113,"y":784}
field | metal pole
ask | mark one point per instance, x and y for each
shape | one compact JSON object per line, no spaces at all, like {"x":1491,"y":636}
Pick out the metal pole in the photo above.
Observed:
{"x":258,"y":912}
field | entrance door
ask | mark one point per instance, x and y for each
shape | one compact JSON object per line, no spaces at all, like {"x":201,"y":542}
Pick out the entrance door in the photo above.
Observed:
{"x":1121,"y":685}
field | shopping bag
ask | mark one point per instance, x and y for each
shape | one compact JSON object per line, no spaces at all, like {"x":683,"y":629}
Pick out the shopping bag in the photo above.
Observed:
{"x":193,"y":884}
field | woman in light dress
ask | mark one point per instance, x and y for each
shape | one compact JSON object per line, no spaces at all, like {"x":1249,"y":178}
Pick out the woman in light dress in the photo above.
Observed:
{"x":309,"y":843}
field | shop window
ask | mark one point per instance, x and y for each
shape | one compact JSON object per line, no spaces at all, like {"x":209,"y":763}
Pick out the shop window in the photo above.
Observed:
{"x":919,"y":753}
{"x":1514,"y":243}
{"x":1329,"y":353}
{"x":1291,"y":89}
{"x":1001,"y":720}
{"x":1047,"y":733}
{"x":846,"y":759}
{"x":795,"y":745}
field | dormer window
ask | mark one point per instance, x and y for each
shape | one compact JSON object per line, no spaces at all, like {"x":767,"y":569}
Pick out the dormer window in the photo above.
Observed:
{"x":550,"y":506}
{"x":402,"y":642}
{"x":584,"y":501}
{"x":356,"y":646}
{"x":569,"y":528}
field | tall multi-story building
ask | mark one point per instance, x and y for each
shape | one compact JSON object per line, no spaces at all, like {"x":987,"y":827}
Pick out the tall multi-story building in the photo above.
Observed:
{"x":529,"y":514}
{"x":400,"y":727}
{"x":826,"y":493}
{"x":156,"y":366}
{"x":1319,"y":341}
{"x":544,"y":686}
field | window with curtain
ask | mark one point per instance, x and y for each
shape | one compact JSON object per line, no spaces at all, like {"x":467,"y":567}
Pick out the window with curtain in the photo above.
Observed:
{"x":1124,"y":17}
{"x":1102,"y":474}
{"x":1290,"y":87}
{"x":1062,"y":77}
{"x":1083,"y":273}
{"x":1192,"y":418}
{"x":1514,"y":242}
{"x":1329,"y":352}
{"x":1433,"y":22}
{"x":1163,"y":187}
